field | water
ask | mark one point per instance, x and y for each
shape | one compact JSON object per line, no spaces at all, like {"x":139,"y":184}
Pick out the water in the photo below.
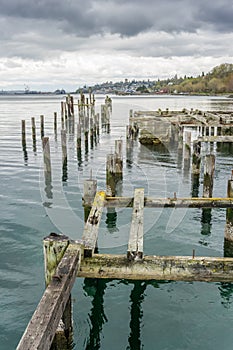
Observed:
{"x":109,"y":314}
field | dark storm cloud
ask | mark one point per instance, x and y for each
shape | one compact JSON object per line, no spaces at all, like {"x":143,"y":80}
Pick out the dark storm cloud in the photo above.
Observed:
{"x":127,"y":18}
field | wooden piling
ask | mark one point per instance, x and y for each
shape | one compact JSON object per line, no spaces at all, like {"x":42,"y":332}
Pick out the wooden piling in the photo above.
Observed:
{"x":89,"y":191}
{"x":40,"y":331}
{"x":33,"y":129}
{"x":187,"y":150}
{"x":42,"y":126}
{"x":46,"y":153}
{"x":64,"y":155}
{"x":196,"y":158}
{"x":208,"y":182}
{"x":119,"y":159}
{"x":135,"y":245}
{"x":23,"y":125}
{"x":79,"y":136}
{"x":229,"y":212}
{"x":55,"y":122}
{"x":111,"y":173}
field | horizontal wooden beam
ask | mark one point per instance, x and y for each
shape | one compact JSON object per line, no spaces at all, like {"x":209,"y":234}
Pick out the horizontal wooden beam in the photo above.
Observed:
{"x":177,"y":268}
{"x":41,"y":329}
{"x":215,"y":139}
{"x":171,"y":202}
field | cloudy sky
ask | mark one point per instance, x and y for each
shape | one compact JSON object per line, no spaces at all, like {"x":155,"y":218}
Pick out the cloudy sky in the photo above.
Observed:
{"x":49,"y":44}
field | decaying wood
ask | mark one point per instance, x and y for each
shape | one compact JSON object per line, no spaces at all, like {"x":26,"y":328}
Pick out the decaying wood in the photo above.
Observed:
{"x":171,"y":202}
{"x":135,"y":245}
{"x":177,"y":268}
{"x":43,"y":324}
{"x":90,"y":232}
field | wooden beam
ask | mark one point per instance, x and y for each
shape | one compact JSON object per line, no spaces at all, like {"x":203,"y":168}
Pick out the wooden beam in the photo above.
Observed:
{"x":215,"y":139}
{"x":41,"y":329}
{"x":90,"y":232}
{"x":135,"y":245}
{"x":176,"y":268}
{"x":171,"y":202}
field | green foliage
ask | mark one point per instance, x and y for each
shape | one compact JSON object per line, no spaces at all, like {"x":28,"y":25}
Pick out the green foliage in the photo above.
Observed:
{"x":218,"y":80}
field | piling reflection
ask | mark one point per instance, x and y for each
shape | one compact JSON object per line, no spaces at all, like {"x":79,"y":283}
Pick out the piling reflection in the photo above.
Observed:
{"x":195,"y":185}
{"x":226,"y":288}
{"x":25,"y":153}
{"x":136,"y":298}
{"x":206,"y":224}
{"x":111,"y":220}
{"x":95,"y":288}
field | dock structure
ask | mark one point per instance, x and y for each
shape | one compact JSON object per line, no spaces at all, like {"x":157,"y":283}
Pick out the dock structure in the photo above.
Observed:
{"x":66,"y":259}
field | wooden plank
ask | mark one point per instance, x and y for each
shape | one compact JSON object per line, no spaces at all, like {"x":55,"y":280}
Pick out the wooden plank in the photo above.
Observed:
{"x":90,"y":233}
{"x":135,"y":245}
{"x":41,"y":329}
{"x":122,"y":202}
{"x":215,"y":139}
{"x":176,"y":268}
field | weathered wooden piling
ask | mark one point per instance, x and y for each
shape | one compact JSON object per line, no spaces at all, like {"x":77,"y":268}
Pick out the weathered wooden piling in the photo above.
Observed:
{"x":33,"y":129}
{"x":208,"y":181}
{"x":42,"y":126}
{"x":91,"y":133}
{"x":187,"y":150}
{"x":46,"y":153}
{"x":55,"y":122}
{"x":119,"y":159}
{"x":135,"y":245}
{"x":64,"y":155}
{"x":23,"y":126}
{"x":196,"y":164}
{"x":40,"y":331}
{"x":229,"y":212}
{"x":89,"y":191}
{"x":79,"y":136}
{"x":111,"y":173}
{"x":54,"y":247}
{"x":62,"y":114}
{"x":196,"y":158}
{"x":24,"y":145}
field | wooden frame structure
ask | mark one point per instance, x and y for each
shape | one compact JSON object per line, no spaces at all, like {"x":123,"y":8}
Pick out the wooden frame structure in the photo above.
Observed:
{"x":65,"y":260}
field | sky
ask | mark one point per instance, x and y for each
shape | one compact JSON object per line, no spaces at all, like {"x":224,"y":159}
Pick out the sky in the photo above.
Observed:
{"x":53,"y":44}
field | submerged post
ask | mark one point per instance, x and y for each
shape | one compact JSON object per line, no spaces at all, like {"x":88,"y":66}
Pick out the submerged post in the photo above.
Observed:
{"x":119,"y":159}
{"x":55,"y":122}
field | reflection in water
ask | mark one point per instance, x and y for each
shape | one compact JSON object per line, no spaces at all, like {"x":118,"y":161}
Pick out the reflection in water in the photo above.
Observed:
{"x":195,"y":185}
{"x":79,"y":157}
{"x":111,"y":220}
{"x":25,"y":153}
{"x":206,"y":224}
{"x":96,"y":288}
{"x":226,"y":288}
{"x":64,"y":170}
{"x":136,"y":297}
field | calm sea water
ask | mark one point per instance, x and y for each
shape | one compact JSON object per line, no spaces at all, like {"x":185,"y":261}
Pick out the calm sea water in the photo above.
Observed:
{"x":109,"y":314}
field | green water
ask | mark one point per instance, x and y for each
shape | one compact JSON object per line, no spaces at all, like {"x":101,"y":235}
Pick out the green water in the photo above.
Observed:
{"x":109,"y":314}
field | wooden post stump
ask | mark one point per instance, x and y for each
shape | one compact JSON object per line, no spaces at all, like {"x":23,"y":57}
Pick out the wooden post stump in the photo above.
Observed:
{"x":209,"y":167}
{"x":111,"y":174}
